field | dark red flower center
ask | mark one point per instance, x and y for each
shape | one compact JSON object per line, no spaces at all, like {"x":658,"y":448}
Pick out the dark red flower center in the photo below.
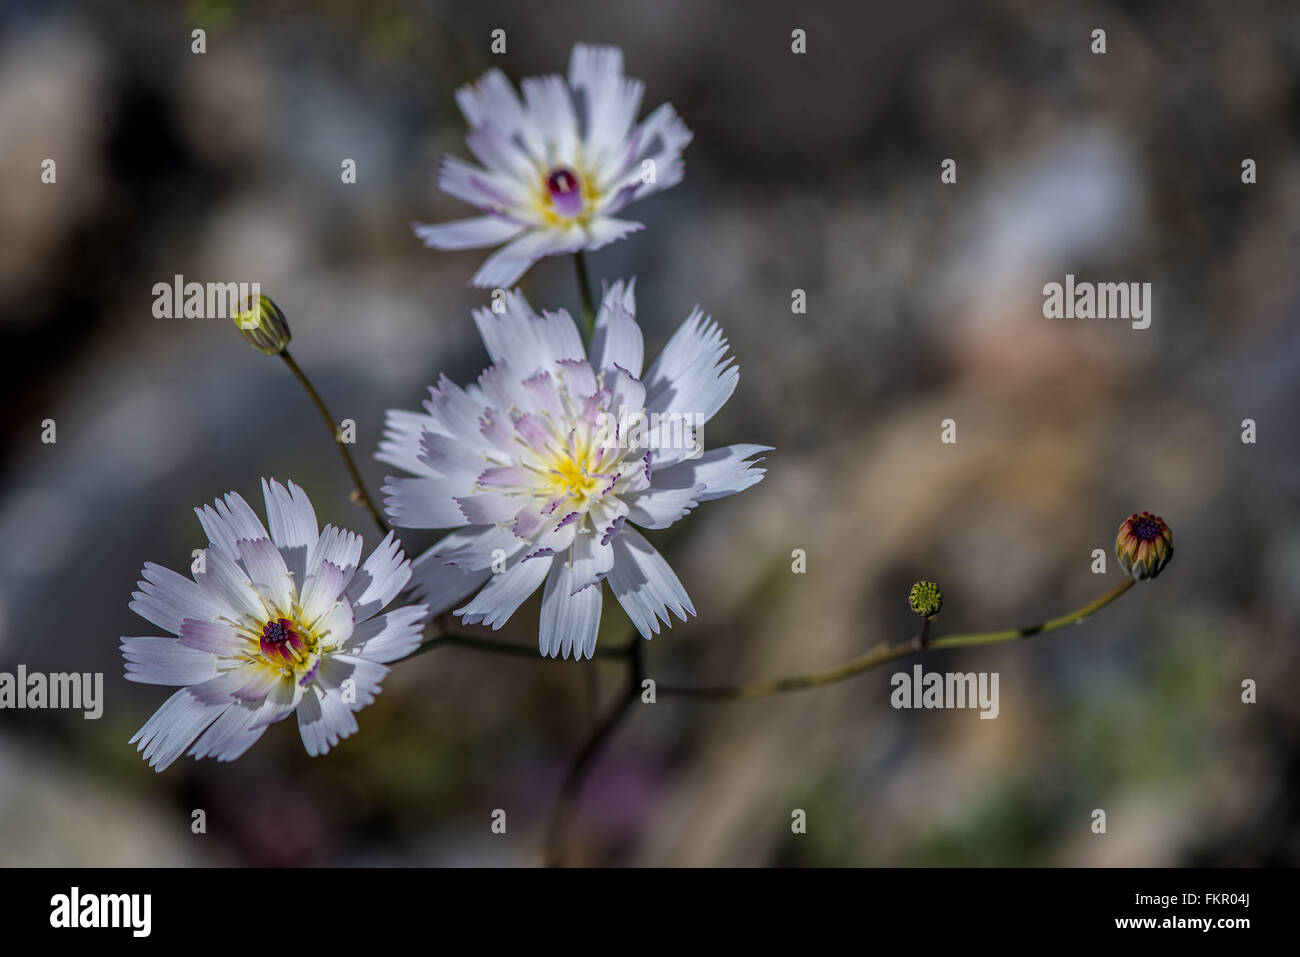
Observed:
{"x":1146,"y":527}
{"x":562,"y":182}
{"x":278,"y":631}
{"x":280,"y":639}
{"x":566,"y":191}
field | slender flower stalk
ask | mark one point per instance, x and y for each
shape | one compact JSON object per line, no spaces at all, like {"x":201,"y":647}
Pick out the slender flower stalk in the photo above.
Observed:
{"x":359,"y":492}
{"x":567,"y":801}
{"x":584,"y":291}
{"x":474,"y":643}
{"x":883,"y":653}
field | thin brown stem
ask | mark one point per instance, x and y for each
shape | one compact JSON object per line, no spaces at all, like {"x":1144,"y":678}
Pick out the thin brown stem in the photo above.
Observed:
{"x":883,"y":653}
{"x":359,"y":488}
{"x":502,"y":647}
{"x":571,"y":790}
{"x":923,"y":636}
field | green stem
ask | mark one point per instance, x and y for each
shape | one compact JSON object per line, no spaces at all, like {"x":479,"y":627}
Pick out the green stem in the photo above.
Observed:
{"x":923,"y":636}
{"x":884,"y":653}
{"x":584,"y":289}
{"x":359,"y":493}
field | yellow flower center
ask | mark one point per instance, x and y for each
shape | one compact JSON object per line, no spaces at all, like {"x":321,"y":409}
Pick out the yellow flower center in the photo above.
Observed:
{"x":286,"y":645}
{"x":572,"y":476}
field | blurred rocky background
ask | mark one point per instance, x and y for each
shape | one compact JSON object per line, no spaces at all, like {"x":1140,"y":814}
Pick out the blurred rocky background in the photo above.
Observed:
{"x":818,"y":172}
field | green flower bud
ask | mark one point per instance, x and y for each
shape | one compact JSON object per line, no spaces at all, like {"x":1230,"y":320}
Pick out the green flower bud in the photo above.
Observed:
{"x":1144,"y":545}
{"x":263,"y":325}
{"x":925,"y":599}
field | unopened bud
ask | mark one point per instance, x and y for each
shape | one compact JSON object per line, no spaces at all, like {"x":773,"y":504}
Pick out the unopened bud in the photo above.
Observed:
{"x":1144,"y":545}
{"x":263,"y":324}
{"x":925,"y":599}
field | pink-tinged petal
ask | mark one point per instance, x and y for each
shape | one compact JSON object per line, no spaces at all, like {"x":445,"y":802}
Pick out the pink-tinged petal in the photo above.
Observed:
{"x":570,"y":621}
{"x":165,"y":661}
{"x":504,"y":476}
{"x":240,"y":518}
{"x":556,"y":540}
{"x":645,"y":585}
{"x":292,"y":522}
{"x":234,"y":732}
{"x":474,"y":548}
{"x":661,"y":507}
{"x":450,"y":458}
{"x":488,"y":508}
{"x":542,"y":395}
{"x":529,"y":520}
{"x":577,"y":377}
{"x":321,"y":592}
{"x":279,"y":704}
{"x":213,"y":638}
{"x":497,"y":430}
{"x":400,"y":445}
{"x":335,"y":627}
{"x":323,"y":720}
{"x":693,"y":375}
{"x":504,"y":593}
{"x":391,"y":636}
{"x":503,"y":157}
{"x":526,"y":342}
{"x":627,"y":394}
{"x":171,"y":729}
{"x":592,"y":408}
{"x":604,"y":230}
{"x":380,"y":578}
{"x":227,"y":585}
{"x":534,"y":431}
{"x":611,"y":531}
{"x":661,"y":138}
{"x":229,"y":520}
{"x":339,"y":548}
{"x":502,"y":388}
{"x":456,"y":412}
{"x":220,"y":537}
{"x":607,"y":516}
{"x":617,"y":340}
{"x":721,"y":472}
{"x":442,"y":586}
{"x":257,"y":684}
{"x":636,"y":475}
{"x":267,"y":569}
{"x":472,"y":233}
{"x":365,"y":675}
{"x":607,"y":100}
{"x":504,"y":267}
{"x":166,"y":599}
{"x":548,"y":101}
{"x":592,"y":560}
{"x":489,"y":191}
{"x":425,"y":502}
{"x":491,"y":98}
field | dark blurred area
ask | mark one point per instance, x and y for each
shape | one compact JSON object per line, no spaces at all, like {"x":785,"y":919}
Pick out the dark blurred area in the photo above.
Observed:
{"x":819,"y":172}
